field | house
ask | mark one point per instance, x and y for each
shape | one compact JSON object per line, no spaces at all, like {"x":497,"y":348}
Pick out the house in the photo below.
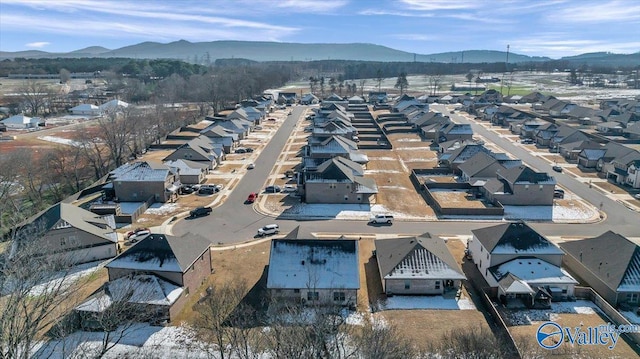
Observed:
{"x":21,"y":122}
{"x":618,"y":169}
{"x":633,"y":130}
{"x":608,"y":263}
{"x":454,"y":131}
{"x":287,"y":98}
{"x":572,"y":150}
{"x":633,"y":174}
{"x":113,"y":105}
{"x":613,"y":150}
{"x":417,"y":265}
{"x":458,"y":155}
{"x":191,"y":172}
{"x":86,"y":109}
{"x":325,"y":148}
{"x":377,"y":97}
{"x":520,"y":186}
{"x":156,"y":274}
{"x":589,"y":157}
{"x":520,"y":263}
{"x":309,"y":99}
{"x":141,"y":181}
{"x":481,"y":166}
{"x":355,"y":100}
{"x":70,"y":231}
{"x":200,"y":150}
{"x":337,"y":180}
{"x":218,"y":134}
{"x":314,"y":271}
{"x":250,"y":114}
{"x":336,"y":127}
{"x":610,"y":128}
{"x":564,"y":135}
{"x":237,"y":126}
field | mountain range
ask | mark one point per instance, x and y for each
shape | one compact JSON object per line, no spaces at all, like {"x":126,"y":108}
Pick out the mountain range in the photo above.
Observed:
{"x":281,"y":51}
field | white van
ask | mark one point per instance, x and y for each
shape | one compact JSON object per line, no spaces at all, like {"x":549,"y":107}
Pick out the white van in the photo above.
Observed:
{"x":381,"y":218}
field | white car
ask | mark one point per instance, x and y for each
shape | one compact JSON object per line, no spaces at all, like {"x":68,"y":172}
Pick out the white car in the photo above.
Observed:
{"x":289,"y":188}
{"x":251,"y":166}
{"x":268,"y":230}
{"x":637,"y":196}
{"x":138,"y":236}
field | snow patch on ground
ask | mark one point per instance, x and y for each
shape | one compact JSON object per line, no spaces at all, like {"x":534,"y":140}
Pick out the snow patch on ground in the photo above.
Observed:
{"x":409,"y":140}
{"x":162,"y":208}
{"x":62,"y":141}
{"x":341,"y":211}
{"x":381,"y":171}
{"x":383,"y":158}
{"x":529,"y":316}
{"x":65,"y":278}
{"x":427,"y":302}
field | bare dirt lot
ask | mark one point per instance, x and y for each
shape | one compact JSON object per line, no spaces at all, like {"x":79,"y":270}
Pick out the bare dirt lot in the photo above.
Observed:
{"x":457,"y":199}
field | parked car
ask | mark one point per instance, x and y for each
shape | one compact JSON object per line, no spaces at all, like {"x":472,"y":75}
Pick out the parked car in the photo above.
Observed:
{"x":289,"y":188}
{"x":289,"y":173}
{"x":636,"y":196}
{"x":557,"y":168}
{"x":208,"y":190}
{"x":136,"y":231}
{"x":252,"y":197}
{"x":248,"y":149}
{"x":186,"y":189}
{"x":268,"y":230}
{"x":381,"y":218}
{"x":139,"y":235}
{"x":200,"y":211}
{"x":526,"y":141}
{"x":271,"y":119}
{"x":240,"y":150}
{"x":273,"y":189}
{"x":558,"y":193}
{"x":251,"y":166}
{"x":258,"y":127}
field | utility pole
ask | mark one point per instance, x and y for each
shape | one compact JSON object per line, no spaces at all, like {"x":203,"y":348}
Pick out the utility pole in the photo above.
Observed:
{"x":506,"y":66}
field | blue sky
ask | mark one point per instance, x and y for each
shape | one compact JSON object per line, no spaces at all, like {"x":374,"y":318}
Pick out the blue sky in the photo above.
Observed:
{"x":553,"y":28}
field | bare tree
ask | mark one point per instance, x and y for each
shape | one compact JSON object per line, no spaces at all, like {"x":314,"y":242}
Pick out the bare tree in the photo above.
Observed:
{"x":379,"y":78}
{"x":433,"y":82}
{"x":470,"y":343}
{"x":116,"y":132}
{"x":65,"y":76}
{"x":402,"y":83}
{"x":214,"y":309}
{"x":362,"y":83}
{"x":379,"y":340}
{"x":93,"y":151}
{"x":34,"y":95}
{"x":34,"y":290}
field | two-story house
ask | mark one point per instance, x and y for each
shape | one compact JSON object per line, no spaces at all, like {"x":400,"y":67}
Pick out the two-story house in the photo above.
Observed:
{"x":520,"y":186}
{"x":140,"y":181}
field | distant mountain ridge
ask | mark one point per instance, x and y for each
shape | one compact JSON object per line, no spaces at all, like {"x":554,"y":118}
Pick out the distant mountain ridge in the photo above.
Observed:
{"x":280,"y":51}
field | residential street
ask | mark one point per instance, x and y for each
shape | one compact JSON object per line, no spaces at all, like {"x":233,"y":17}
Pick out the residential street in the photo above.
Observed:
{"x":236,"y":222}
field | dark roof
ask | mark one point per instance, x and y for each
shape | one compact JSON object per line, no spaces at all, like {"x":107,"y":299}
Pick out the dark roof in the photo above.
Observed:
{"x":477,"y":163}
{"x":607,"y":256}
{"x":523,"y":173}
{"x":185,"y":250}
{"x":391,"y":252}
{"x":515,"y":234}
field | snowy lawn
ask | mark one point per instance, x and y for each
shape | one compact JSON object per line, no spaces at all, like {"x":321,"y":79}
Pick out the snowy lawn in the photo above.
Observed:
{"x":631,"y":317}
{"x":426,"y":302}
{"x":59,"y":140}
{"x":341,"y":211}
{"x":69,"y":277}
{"x":162,"y":208}
{"x":528,"y":316}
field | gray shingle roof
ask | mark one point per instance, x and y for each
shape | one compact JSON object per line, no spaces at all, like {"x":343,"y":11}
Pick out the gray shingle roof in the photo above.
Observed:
{"x":516,"y":234}
{"x":420,"y":257}
{"x":607,"y":256}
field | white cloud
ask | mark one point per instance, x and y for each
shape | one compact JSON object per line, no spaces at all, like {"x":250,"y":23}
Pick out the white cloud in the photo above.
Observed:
{"x":310,"y":6}
{"x":378,"y":12}
{"x":415,"y":37}
{"x":38,"y":44}
{"x":434,"y":5}
{"x":589,"y":12}
{"x":559,"y":45}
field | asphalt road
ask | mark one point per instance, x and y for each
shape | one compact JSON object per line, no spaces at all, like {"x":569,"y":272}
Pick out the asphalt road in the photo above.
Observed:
{"x":235,"y":222}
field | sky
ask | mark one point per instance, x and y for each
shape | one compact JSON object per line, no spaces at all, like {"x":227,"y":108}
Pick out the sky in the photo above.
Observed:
{"x":552,"y":28}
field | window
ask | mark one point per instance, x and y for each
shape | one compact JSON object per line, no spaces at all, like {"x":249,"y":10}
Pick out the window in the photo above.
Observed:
{"x":632,"y":297}
{"x":437,"y":284}
{"x":296,"y":290}
{"x":313,"y":295}
{"x":487,"y":256}
{"x":339,"y":296}
{"x":63,"y":241}
{"x":346,"y":198}
{"x":332,"y":185}
{"x":407,"y":284}
{"x":359,"y":198}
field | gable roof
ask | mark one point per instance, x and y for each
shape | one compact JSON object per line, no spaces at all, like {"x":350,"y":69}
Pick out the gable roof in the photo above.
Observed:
{"x":143,"y":171}
{"x":159,"y":252}
{"x":524,"y":174}
{"x":64,"y":215}
{"x":533,"y":271}
{"x":419,"y":257}
{"x":313,"y":264}
{"x":514,"y":237}
{"x":612,"y":258}
{"x":477,"y":163}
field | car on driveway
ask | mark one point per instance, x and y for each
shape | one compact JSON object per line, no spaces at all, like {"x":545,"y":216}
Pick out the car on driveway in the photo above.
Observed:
{"x":136,"y":231}
{"x":248,"y":149}
{"x":252,"y":197}
{"x":186,"y":189}
{"x":289,"y":188}
{"x":558,"y":193}
{"x":208,"y":189}
{"x":200,"y":211}
{"x":139,"y":235}
{"x":240,"y":150}
{"x":557,"y":168}
{"x":251,"y":166}
{"x":269,"y":229}
{"x":273,"y":189}
{"x":636,"y":196}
